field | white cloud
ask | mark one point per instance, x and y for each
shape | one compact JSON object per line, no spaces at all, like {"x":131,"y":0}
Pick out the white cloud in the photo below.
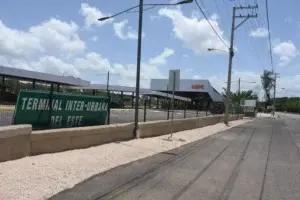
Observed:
{"x":52,"y":47}
{"x":50,"y":64}
{"x":196,"y":77}
{"x":124,"y":34}
{"x":55,"y":34}
{"x":55,"y":47}
{"x":92,"y":14}
{"x":259,"y":33}
{"x":286,"y":52}
{"x":219,"y":82}
{"x":288,"y":20}
{"x":214,"y":17}
{"x":161,"y":59}
{"x":291,"y":84}
{"x":17,"y":43}
{"x":49,"y":38}
{"x":195,"y":33}
{"x":153,"y":17}
{"x":95,"y":38}
{"x":128,"y":72}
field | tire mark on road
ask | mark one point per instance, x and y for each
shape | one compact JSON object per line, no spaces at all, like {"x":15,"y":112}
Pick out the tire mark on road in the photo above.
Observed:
{"x":232,"y":178}
{"x":158,"y":168}
{"x":184,"y":189}
{"x":266,"y":167}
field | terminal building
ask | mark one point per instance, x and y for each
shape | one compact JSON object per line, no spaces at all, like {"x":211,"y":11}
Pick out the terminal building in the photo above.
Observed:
{"x":199,"y":91}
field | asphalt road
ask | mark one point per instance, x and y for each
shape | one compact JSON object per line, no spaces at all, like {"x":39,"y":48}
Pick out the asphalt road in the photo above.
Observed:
{"x":255,"y":161}
{"x":292,"y":121}
{"x":122,"y":115}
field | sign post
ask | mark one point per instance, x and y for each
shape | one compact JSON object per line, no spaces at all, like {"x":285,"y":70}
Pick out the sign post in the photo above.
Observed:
{"x":174,"y":81}
{"x":60,"y":110}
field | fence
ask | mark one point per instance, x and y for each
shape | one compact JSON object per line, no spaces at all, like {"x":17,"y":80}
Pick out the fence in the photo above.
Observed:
{"x":123,"y":115}
{"x":150,"y":109}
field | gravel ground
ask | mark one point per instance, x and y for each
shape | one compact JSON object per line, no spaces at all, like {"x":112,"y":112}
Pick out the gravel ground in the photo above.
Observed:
{"x":39,"y":177}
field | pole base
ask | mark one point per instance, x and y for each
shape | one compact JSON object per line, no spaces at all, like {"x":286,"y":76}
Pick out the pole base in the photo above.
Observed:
{"x":226,"y":123}
{"x":136,"y":133}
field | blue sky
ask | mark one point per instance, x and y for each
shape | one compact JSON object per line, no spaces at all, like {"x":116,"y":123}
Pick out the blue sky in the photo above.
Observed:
{"x":61,"y":37}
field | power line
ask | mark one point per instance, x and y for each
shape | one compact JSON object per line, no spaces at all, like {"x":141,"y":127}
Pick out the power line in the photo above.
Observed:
{"x":269,"y":35}
{"x":217,"y":6}
{"x":252,"y":44}
{"x":210,"y":23}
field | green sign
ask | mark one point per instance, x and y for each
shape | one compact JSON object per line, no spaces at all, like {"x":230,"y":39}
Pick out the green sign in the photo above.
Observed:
{"x":58,"y":110}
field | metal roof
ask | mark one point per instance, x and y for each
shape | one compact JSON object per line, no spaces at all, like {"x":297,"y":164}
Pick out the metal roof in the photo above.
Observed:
{"x":186,"y":86}
{"x":166,"y":95}
{"x":39,"y":76}
{"x":118,"y":88}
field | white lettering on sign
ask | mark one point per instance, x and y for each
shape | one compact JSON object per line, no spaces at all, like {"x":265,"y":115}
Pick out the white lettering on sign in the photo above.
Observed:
{"x":24,"y":100}
{"x":56,"y":105}
{"x":42,"y":104}
{"x":96,"y":106}
{"x":56,"y":121}
{"x":35,"y":104}
{"x":74,"y":105}
{"x":74,"y":121}
{"x":29,"y":104}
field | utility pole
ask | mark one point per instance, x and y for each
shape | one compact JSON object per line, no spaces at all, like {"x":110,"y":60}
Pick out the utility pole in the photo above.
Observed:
{"x":231,"y":51}
{"x":274,"y":94}
{"x":107,"y":83}
{"x":109,"y":98}
{"x":239,"y":90}
{"x":136,"y":130}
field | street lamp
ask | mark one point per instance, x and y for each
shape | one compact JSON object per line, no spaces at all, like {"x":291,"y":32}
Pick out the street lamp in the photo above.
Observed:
{"x":141,"y":3}
{"x":139,"y":51}
{"x":213,"y":49}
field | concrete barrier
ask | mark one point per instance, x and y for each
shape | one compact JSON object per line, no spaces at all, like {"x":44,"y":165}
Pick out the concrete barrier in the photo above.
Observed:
{"x":157,"y":128}
{"x":14,"y":142}
{"x":56,"y":140}
{"x":20,"y":141}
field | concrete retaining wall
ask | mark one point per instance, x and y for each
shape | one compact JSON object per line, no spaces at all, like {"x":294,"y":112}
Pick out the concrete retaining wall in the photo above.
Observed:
{"x":20,"y":141}
{"x":14,"y":142}
{"x":50,"y":141}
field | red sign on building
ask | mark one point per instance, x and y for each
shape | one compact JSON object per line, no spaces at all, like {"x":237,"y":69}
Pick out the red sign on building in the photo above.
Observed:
{"x":197,"y":86}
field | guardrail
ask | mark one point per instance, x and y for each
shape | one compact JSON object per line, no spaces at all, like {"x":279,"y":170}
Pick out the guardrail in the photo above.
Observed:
{"x":20,"y":141}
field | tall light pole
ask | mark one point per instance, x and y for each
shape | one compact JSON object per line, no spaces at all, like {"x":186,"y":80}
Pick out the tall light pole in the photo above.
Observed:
{"x":231,"y":52}
{"x":139,"y":52}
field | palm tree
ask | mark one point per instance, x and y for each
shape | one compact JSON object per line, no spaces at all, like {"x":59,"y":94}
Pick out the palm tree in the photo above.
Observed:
{"x":236,"y":97}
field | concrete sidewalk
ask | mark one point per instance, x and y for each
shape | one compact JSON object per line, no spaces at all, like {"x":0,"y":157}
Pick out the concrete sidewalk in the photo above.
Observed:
{"x":39,"y":177}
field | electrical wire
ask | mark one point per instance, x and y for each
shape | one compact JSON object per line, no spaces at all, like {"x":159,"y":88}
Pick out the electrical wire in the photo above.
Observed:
{"x":251,"y":41}
{"x":221,"y":39}
{"x":217,"y":7}
{"x":269,"y":36}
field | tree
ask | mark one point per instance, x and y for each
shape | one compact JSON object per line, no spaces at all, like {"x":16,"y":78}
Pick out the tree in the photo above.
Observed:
{"x":267,"y":84}
{"x":236,"y":96}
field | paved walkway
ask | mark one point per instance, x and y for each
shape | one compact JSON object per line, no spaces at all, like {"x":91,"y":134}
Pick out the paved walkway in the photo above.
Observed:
{"x":254,"y":161}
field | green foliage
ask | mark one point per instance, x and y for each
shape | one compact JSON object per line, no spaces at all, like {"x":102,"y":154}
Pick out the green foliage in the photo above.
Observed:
{"x":236,"y":97}
{"x":267,"y":84}
{"x":288,"y":104}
